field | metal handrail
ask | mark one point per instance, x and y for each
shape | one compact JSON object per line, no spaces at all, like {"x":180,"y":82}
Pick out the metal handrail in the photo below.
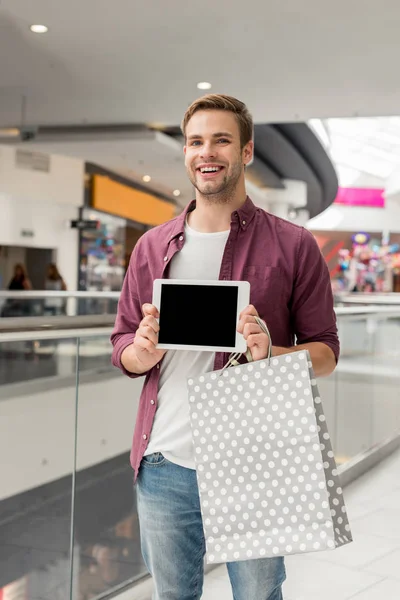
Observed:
{"x":43,"y":295}
{"x":54,"y":334}
{"x":20,"y":324}
{"x":61,"y":327}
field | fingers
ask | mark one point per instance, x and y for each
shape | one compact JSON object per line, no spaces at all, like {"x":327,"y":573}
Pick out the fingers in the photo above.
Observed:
{"x":150,"y":310}
{"x":251,"y":328}
{"x":258,"y":344}
{"x":244,"y":320}
{"x":147,"y":334}
{"x":249,"y":310}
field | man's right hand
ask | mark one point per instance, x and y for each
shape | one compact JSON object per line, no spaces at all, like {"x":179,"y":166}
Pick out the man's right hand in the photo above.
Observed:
{"x":142,"y":355}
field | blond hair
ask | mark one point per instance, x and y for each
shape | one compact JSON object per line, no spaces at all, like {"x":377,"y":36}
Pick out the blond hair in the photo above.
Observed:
{"x":227,"y":103}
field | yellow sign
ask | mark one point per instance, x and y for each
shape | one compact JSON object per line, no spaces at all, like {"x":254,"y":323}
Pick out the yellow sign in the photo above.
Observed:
{"x":123,"y":201}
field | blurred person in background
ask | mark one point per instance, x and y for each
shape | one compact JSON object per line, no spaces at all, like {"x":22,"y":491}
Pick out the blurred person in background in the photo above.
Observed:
{"x":20,"y":282}
{"x":54,"y":283}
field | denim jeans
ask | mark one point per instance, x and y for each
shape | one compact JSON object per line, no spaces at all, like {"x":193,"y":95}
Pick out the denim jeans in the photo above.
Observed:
{"x":173,"y":544}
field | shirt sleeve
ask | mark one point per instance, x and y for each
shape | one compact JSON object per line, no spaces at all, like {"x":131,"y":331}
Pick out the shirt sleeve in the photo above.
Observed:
{"x":312,"y":312}
{"x":128,"y":317}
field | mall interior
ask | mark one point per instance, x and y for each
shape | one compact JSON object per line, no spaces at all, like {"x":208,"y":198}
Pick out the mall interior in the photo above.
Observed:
{"x":91,"y":101}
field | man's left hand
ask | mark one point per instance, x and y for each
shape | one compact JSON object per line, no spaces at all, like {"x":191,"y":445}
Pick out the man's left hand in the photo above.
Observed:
{"x":257,"y":340}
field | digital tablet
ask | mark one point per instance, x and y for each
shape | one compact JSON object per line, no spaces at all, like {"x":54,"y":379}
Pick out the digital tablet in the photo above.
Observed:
{"x":200,"y":315}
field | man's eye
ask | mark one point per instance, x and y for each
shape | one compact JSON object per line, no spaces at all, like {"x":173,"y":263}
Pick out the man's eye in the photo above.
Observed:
{"x":223,"y":140}
{"x":195,"y":142}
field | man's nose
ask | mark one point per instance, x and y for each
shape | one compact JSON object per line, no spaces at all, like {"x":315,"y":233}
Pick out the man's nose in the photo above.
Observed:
{"x":208,"y":151}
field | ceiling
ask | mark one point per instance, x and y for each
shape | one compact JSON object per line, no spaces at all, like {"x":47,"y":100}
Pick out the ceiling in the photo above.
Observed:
{"x":132,"y":63}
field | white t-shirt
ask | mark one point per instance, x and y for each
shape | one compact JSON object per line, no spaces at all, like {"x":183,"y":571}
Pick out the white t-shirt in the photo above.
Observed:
{"x":200,"y":258}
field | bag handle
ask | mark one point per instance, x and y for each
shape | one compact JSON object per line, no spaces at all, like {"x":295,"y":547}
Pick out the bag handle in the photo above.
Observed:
{"x":234,"y":357}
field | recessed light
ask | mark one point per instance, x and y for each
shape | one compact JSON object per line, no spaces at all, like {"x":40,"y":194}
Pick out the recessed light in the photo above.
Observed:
{"x":176,"y":193}
{"x":39,"y":28}
{"x":204,"y":85}
{"x":146,"y":178}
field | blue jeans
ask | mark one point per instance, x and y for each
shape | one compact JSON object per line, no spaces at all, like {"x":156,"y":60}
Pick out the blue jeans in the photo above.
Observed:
{"x":173,"y":544}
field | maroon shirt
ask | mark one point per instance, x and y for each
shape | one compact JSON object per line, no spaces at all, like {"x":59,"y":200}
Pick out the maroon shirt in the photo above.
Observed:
{"x":289,"y":282}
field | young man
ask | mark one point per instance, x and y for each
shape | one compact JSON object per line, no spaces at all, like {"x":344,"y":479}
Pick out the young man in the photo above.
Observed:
{"x":220,"y":235}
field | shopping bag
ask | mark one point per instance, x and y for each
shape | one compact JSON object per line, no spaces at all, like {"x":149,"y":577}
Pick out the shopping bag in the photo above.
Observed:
{"x":266,"y":471}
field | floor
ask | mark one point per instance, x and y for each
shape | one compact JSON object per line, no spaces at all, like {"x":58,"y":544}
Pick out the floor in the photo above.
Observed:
{"x":367,"y":569}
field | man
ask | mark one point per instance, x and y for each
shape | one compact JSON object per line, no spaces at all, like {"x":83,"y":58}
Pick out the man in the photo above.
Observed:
{"x":220,"y":235}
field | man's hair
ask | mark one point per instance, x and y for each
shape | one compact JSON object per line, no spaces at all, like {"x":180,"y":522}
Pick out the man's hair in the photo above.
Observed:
{"x":222,"y":102}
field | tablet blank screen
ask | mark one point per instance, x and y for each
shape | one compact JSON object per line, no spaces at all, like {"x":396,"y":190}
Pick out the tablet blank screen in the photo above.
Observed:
{"x":198,"y":315}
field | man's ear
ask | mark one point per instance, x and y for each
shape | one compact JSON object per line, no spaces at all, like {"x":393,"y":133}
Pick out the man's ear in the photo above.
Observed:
{"x":247,"y":153}
{"x":184,"y":149}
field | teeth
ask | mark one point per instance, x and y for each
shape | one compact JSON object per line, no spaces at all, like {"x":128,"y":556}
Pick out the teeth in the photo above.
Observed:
{"x":209,"y":169}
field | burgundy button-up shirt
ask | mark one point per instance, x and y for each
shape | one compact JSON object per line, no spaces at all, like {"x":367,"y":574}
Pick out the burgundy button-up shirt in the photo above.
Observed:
{"x":289,"y":282}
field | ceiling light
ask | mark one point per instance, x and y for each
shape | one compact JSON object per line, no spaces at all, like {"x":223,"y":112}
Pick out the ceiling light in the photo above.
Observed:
{"x":39,"y":28}
{"x":176,"y":193}
{"x":204,"y":85}
{"x":146,"y":178}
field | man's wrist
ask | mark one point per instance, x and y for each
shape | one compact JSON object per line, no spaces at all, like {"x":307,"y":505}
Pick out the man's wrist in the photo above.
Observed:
{"x":130,"y":361}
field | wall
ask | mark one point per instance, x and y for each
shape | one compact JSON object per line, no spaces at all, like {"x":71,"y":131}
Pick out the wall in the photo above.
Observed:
{"x":348,"y":218}
{"x":49,"y":224}
{"x":42,"y":204}
{"x":63,"y":184}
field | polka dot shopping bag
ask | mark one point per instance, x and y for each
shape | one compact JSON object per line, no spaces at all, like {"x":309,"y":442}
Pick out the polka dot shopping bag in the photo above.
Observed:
{"x":267,"y":475}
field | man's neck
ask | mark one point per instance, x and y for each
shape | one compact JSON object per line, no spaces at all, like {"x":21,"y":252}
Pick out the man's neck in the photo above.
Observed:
{"x":210,"y":217}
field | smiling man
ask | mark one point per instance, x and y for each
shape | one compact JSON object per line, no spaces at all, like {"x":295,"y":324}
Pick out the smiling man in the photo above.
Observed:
{"x":220,"y":235}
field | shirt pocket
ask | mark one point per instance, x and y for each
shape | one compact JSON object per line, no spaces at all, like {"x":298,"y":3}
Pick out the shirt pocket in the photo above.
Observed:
{"x":266,"y":288}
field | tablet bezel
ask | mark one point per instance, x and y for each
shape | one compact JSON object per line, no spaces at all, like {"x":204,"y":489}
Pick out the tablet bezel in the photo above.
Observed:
{"x":243,"y":302}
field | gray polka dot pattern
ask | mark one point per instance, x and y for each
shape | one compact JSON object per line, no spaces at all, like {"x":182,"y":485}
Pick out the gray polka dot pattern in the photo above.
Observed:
{"x":267,"y":476}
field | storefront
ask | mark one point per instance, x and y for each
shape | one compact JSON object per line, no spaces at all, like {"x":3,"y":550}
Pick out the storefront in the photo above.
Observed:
{"x":118,"y":215}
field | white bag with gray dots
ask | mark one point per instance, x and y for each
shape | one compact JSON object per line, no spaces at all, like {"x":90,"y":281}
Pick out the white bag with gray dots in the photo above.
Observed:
{"x":267,"y":475}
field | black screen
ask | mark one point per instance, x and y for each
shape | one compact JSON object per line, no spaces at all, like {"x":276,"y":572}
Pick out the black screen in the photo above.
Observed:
{"x":198,"y":315}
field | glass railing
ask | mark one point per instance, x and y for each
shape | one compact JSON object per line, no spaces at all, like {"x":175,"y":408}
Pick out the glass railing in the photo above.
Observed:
{"x":42,"y":303}
{"x":68,"y":519}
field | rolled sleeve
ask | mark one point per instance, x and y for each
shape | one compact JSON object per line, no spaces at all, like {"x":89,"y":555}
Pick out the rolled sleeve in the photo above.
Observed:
{"x":312,"y":307}
{"x":128,"y":318}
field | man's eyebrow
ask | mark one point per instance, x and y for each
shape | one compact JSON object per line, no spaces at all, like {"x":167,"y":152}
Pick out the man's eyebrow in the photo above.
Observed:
{"x":222,"y":134}
{"x":197,"y":136}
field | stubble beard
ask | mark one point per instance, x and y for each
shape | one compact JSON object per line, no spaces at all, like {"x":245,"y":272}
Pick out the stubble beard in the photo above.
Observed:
{"x":223,"y":193}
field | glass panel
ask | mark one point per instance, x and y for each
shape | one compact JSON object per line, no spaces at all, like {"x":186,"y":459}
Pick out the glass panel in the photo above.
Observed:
{"x":106,"y":526}
{"x":53,"y":359}
{"x":364,"y":387}
{"x":37,"y":433}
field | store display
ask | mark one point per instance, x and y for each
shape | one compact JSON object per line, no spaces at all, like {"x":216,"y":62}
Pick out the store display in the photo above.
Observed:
{"x":371,"y":265}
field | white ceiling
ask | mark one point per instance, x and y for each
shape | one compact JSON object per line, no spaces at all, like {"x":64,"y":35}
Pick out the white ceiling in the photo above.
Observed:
{"x":130,"y":62}
{"x":139,"y":61}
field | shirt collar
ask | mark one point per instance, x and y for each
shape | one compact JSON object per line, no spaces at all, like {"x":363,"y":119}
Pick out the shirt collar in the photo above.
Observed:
{"x":245,"y":214}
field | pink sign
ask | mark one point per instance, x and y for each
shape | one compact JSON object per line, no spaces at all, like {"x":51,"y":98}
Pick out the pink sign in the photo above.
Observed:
{"x":361,"y":197}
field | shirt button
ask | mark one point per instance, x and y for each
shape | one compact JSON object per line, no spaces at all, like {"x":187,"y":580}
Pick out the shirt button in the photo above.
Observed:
{"x":152,"y":402}
{"x":165,"y":258}
{"x":158,"y":366}
{"x":181,"y":238}
{"x":244,"y":222}
{"x":145,"y":437}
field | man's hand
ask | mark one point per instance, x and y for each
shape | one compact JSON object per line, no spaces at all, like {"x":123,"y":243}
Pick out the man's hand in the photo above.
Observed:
{"x":142,"y":355}
{"x":257,"y":340}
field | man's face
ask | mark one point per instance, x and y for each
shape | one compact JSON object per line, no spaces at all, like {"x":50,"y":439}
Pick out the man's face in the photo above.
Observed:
{"x":213,"y":158}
